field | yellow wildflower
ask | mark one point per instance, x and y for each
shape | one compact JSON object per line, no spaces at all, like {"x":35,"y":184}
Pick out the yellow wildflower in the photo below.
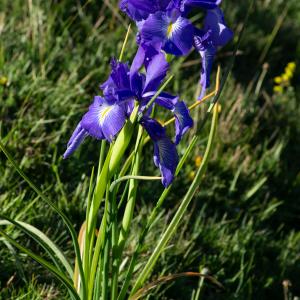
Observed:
{"x":291,"y":66}
{"x":3,"y":80}
{"x":278,"y":79}
{"x":192,"y":175}
{"x":285,"y":77}
{"x":198,"y":161}
{"x":278,"y":89}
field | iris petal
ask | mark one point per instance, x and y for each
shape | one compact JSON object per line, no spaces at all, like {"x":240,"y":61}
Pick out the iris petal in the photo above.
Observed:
{"x":112,"y":120}
{"x":179,"y":37}
{"x":206,"y":4}
{"x":156,"y":72}
{"x":165,"y":153}
{"x":76,"y":139}
{"x":220,"y":33}
{"x":183,"y":120}
{"x":91,"y":120}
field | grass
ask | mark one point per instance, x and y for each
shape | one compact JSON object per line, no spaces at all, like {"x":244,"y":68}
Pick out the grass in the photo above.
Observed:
{"x":243,"y":225}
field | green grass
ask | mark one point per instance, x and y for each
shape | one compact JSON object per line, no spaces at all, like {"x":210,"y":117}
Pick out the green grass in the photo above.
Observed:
{"x":243,"y":225}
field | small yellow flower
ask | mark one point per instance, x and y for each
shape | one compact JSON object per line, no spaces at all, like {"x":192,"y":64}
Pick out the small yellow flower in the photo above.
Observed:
{"x":278,"y":89}
{"x":3,"y":80}
{"x":285,"y":77}
{"x":291,"y":66}
{"x":278,"y":79}
{"x":219,"y":106}
{"x":288,"y":72}
{"x":198,"y":161}
{"x":192,"y":175}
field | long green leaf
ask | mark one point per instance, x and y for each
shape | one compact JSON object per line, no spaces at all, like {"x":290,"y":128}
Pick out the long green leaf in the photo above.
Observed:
{"x":168,"y":234}
{"x":59,"y":275}
{"x":55,"y":208}
{"x":50,"y":247}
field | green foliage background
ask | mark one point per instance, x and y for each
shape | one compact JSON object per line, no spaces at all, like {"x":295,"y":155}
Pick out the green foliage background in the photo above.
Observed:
{"x":244,"y":223}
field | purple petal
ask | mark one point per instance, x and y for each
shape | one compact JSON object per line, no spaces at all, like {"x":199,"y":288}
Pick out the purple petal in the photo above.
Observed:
{"x":133,"y":12}
{"x":155,"y":28}
{"x":91,"y":120}
{"x":156,"y":72}
{"x":206,"y":4}
{"x":220,"y":33}
{"x":76,"y":139}
{"x":183,"y":120}
{"x":112,"y":120}
{"x":179,"y":37}
{"x":165,"y":153}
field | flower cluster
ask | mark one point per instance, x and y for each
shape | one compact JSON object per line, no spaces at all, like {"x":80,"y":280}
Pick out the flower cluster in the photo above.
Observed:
{"x":284,"y":79}
{"x":163,"y":28}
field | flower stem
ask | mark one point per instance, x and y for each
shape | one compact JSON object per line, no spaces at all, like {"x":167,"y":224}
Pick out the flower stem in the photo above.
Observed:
{"x":132,"y":177}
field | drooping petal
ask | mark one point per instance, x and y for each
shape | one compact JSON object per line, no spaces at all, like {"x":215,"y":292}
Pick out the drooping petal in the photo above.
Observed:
{"x":208,"y":56}
{"x":165,"y":153}
{"x":112,"y":120}
{"x":104,"y":120}
{"x":91,"y":120}
{"x":220,"y":33}
{"x":207,"y":51}
{"x":76,"y":139}
{"x":183,"y":120}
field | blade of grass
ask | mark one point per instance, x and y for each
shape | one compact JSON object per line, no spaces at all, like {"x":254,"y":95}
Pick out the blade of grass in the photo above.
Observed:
{"x":59,"y":275}
{"x":54,"y":207}
{"x":47,"y":244}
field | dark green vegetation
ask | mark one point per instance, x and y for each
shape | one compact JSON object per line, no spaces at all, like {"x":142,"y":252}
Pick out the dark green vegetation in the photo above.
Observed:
{"x":244,"y":223}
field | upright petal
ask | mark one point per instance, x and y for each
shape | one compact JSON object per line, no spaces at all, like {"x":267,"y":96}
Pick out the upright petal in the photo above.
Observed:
{"x":76,"y":139}
{"x":133,"y":12}
{"x":156,"y":72}
{"x":220,"y":33}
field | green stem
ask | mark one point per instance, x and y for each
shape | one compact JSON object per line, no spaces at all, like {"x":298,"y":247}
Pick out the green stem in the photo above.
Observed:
{"x":155,"y":96}
{"x":105,"y":277}
{"x":181,"y":210}
{"x":150,"y":221}
{"x":132,"y":177}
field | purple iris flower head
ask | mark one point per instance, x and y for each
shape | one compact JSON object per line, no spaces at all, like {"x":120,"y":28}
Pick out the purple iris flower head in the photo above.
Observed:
{"x":207,"y":41}
{"x":170,"y":29}
{"x":165,"y":153}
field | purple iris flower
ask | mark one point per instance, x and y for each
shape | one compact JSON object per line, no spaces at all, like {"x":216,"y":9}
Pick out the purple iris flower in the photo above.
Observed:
{"x":207,"y":41}
{"x":165,"y":153}
{"x":170,"y":29}
{"x":108,"y":114}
